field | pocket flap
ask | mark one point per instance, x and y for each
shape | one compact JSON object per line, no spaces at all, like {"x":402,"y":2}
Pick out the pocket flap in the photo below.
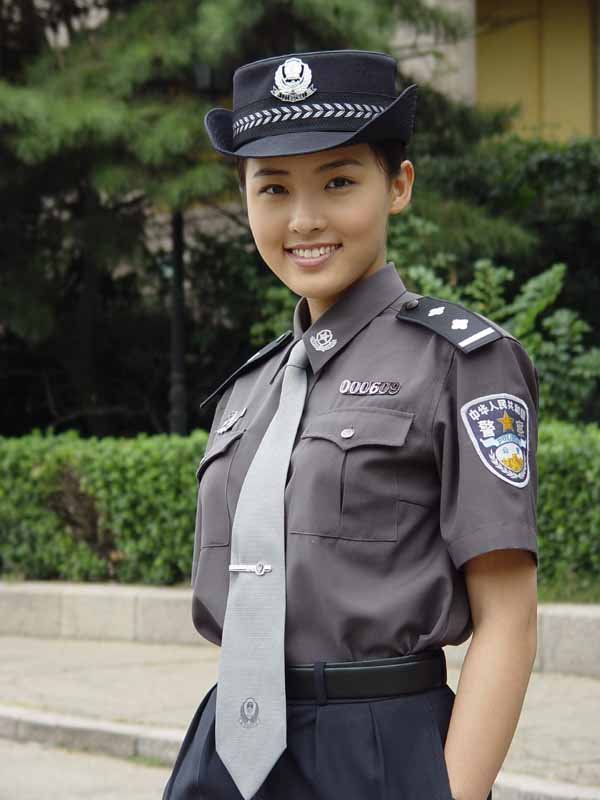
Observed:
{"x":219,"y":445}
{"x":351,"y":427}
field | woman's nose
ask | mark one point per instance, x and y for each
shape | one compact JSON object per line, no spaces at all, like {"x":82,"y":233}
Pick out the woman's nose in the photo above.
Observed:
{"x":305,"y":217}
{"x":305,"y":222}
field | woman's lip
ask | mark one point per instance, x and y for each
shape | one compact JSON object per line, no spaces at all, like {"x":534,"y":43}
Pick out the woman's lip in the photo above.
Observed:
{"x":313,"y":262}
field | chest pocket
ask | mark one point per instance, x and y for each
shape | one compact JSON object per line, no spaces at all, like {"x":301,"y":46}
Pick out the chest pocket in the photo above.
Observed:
{"x":345,"y":480}
{"x":212,"y":477}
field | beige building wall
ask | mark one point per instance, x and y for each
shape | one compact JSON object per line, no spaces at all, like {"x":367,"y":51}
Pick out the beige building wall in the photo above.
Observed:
{"x":455,"y":73}
{"x":541,"y":54}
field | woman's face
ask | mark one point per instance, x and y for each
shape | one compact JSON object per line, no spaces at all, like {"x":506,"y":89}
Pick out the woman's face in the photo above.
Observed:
{"x":309,"y":201}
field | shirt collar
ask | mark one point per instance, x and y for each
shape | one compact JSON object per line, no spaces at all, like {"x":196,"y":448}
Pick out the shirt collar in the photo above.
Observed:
{"x":354,"y":308}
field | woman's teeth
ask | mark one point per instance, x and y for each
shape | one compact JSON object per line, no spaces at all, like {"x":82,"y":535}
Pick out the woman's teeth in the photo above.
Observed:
{"x":315,"y":252}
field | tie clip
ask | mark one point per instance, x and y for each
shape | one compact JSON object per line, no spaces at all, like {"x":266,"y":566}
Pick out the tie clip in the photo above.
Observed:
{"x":259,"y":568}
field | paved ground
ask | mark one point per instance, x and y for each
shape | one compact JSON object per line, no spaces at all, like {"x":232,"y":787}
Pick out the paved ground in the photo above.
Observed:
{"x":160,"y":686}
{"x":32,"y":771}
{"x":119,"y":681}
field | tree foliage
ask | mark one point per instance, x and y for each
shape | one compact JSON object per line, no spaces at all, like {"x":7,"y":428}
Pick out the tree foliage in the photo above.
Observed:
{"x":103,"y":137}
{"x":100,"y":134}
{"x":569,"y":370}
{"x":549,"y":189}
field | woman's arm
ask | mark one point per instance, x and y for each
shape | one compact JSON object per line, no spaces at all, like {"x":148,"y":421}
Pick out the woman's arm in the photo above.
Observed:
{"x":502,"y":588}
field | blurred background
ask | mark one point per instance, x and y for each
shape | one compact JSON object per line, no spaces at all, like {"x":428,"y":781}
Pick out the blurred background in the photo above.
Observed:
{"x":130,"y":288}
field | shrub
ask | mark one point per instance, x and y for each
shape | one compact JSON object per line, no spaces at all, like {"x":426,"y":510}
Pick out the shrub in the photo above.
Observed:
{"x":553,"y":337}
{"x":124,"y":510}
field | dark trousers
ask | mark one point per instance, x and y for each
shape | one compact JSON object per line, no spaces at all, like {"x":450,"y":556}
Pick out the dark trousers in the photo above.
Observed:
{"x":375,"y":749}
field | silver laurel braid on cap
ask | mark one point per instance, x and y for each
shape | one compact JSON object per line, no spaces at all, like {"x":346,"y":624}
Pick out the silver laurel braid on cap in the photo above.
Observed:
{"x":311,"y":110}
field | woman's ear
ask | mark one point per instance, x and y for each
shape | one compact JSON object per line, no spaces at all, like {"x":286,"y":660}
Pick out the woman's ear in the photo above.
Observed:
{"x":401,"y":188}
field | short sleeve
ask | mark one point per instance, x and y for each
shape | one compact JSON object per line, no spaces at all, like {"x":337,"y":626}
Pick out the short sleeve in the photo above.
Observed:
{"x":485,"y":443}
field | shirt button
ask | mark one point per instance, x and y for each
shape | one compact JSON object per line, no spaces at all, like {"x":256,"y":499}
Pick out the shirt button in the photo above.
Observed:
{"x":347,"y":433}
{"x":410,"y":304}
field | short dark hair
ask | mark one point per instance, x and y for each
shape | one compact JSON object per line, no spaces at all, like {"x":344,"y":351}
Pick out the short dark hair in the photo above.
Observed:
{"x":389,"y":153}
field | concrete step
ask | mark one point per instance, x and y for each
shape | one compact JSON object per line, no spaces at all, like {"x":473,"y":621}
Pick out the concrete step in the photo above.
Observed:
{"x":568,"y":633}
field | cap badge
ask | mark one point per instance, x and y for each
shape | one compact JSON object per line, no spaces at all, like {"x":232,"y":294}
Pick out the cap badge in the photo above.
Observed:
{"x":293,"y":81}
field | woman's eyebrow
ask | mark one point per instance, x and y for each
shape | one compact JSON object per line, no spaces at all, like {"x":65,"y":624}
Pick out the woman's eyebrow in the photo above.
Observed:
{"x":330,"y":165}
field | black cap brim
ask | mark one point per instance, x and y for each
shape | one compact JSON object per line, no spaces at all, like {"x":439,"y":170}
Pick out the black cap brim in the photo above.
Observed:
{"x":394,"y":122}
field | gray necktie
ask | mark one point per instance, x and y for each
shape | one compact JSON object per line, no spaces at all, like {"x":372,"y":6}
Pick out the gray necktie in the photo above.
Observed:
{"x":250,"y":717}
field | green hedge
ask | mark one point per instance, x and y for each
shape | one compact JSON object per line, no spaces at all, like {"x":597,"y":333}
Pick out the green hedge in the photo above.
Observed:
{"x":124,"y":509}
{"x":569,"y":500}
{"x":95,"y":509}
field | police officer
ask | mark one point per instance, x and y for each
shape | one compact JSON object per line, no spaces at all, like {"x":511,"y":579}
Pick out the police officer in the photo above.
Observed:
{"x":415,"y":451}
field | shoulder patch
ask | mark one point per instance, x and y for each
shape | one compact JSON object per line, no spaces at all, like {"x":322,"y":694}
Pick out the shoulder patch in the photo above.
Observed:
{"x":464,"y":328}
{"x":255,"y":359}
{"x":498,"y":426}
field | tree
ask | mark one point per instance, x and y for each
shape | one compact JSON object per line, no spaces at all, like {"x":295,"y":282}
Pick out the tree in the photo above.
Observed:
{"x":108,"y":129}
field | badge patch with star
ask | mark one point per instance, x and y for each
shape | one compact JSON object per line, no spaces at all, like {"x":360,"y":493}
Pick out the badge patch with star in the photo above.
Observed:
{"x":498,"y":425}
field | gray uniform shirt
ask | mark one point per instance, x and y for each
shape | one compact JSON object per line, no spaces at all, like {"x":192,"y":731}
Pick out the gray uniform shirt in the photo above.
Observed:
{"x":412,"y":456}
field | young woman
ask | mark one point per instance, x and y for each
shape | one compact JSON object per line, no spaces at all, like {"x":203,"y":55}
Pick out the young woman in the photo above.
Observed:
{"x":368,"y":490}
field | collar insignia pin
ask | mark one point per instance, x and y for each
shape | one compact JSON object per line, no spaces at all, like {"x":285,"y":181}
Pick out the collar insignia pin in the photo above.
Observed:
{"x":323,"y":340}
{"x":230,"y":420}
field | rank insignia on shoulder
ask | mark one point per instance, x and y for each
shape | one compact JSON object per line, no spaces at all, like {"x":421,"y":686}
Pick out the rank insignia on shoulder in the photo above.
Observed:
{"x":464,"y":328}
{"x":498,"y":426}
{"x":250,"y":363}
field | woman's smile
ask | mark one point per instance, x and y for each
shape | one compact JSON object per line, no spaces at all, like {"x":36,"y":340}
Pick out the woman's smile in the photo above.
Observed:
{"x":305,"y":257}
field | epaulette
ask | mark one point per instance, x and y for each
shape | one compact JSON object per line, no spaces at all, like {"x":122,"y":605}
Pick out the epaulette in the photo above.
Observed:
{"x":255,"y":359}
{"x":464,"y":328}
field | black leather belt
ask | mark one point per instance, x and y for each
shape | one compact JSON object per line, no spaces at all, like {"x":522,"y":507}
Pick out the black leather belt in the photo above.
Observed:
{"x":322,"y":681}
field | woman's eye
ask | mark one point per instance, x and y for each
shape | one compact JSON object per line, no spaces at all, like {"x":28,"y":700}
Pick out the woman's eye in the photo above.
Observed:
{"x":271,"y":186}
{"x":265,"y":189}
{"x":348,"y":181}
